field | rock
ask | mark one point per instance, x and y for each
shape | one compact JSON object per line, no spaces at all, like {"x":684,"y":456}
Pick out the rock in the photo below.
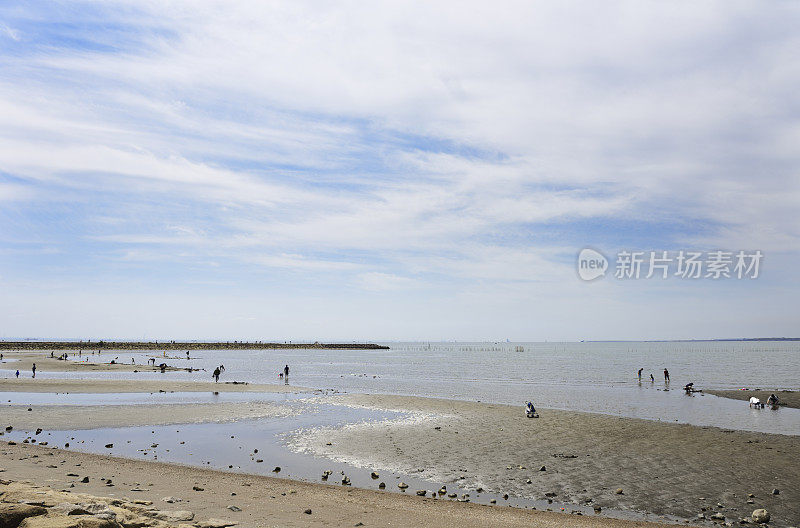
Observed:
{"x":452,"y":495}
{"x":776,"y":491}
{"x":234,"y":508}
{"x":63,"y":521}
{"x":619,"y":491}
{"x":171,"y":499}
{"x":529,"y":481}
{"x":382,"y":485}
{"x":308,"y":511}
{"x":374,"y":475}
{"x":277,"y":469}
{"x":493,"y":501}
{"x":171,"y":516}
{"x":71,"y":509}
{"x":717,"y":517}
{"x":216,"y":523}
{"x":197,"y":488}
{"x":85,"y":480}
{"x":13,"y":514}
{"x":542,"y":468}
{"x":402,"y":485}
{"x":505,"y":496}
{"x":597,"y":509}
{"x":109,"y":446}
{"x":422,"y":493}
{"x":760,"y":516}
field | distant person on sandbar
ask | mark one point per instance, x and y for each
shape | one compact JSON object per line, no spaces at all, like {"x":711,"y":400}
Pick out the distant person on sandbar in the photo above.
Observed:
{"x":33,"y":369}
{"x":17,"y":372}
{"x":640,"y":374}
{"x":666,"y":375}
{"x":216,"y":375}
{"x":652,"y":378}
{"x":286,"y":371}
{"x":187,"y":354}
{"x":772,"y":400}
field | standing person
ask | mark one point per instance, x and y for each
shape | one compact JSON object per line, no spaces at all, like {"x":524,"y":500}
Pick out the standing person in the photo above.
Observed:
{"x":17,"y":372}
{"x":286,"y":371}
{"x":33,"y":369}
{"x":187,"y":354}
{"x":640,"y":374}
{"x":666,"y":375}
{"x":216,"y":375}
{"x":652,"y":378}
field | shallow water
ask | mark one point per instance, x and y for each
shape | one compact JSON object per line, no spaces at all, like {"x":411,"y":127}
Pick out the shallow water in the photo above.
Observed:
{"x":231,"y":447}
{"x":141,"y":398}
{"x":592,"y":377}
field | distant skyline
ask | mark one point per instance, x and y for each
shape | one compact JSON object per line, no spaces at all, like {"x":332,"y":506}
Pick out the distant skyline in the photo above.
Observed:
{"x":394,"y":171}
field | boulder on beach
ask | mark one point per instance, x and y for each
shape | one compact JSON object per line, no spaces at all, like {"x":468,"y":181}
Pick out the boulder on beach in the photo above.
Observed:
{"x":760,"y":516}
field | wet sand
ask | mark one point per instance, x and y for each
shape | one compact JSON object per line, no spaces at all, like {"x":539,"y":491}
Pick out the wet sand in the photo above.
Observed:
{"x":25,"y":359}
{"x":92,"y":417}
{"x":786,"y":397}
{"x":265,"y":501}
{"x":662,"y":468}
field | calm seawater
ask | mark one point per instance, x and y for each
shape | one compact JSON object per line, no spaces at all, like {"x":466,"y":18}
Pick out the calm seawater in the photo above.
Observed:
{"x":592,"y":377}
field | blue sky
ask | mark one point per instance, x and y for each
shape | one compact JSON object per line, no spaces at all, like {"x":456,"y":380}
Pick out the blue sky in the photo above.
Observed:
{"x":292,"y":170}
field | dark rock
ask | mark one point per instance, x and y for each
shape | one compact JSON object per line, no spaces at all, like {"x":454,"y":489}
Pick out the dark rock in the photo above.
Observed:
{"x":11,"y":515}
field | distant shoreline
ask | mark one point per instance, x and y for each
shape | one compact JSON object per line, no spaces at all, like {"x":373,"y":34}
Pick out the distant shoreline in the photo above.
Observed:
{"x":177,"y":345}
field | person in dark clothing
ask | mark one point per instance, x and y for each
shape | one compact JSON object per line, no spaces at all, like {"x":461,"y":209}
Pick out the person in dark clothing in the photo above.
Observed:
{"x":666,"y":375}
{"x":216,"y":375}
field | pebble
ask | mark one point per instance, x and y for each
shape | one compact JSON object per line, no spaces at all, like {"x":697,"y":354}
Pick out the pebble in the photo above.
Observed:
{"x":542,"y":468}
{"x":277,"y":469}
{"x":776,"y":491}
{"x":374,"y":475}
{"x":402,"y":485}
{"x":308,"y":511}
{"x":422,"y":493}
{"x":382,"y":485}
{"x":619,"y":491}
{"x":234,"y":508}
{"x":198,"y":488}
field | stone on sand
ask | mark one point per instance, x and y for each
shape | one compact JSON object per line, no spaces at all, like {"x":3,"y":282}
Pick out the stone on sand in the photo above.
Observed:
{"x":760,"y":516}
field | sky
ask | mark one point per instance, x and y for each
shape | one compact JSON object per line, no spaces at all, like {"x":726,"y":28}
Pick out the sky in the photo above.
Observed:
{"x":373,"y":171}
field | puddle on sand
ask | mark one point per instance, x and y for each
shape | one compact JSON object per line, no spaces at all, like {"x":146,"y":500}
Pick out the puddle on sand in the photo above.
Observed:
{"x":257,"y":447}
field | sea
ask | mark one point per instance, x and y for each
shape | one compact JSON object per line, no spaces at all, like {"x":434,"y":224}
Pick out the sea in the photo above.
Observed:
{"x":596,"y":377}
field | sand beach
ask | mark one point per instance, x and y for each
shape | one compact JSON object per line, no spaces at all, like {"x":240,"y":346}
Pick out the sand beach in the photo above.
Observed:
{"x":662,"y":473}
